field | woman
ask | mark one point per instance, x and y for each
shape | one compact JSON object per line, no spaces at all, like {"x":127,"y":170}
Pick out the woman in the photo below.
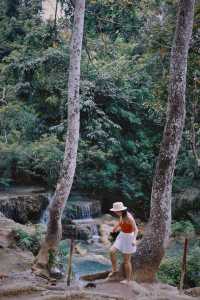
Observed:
{"x":125,"y":241}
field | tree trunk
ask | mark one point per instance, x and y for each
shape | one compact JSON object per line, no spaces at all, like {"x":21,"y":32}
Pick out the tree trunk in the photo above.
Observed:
{"x":151,"y":250}
{"x":54,"y":227}
{"x":55,"y":21}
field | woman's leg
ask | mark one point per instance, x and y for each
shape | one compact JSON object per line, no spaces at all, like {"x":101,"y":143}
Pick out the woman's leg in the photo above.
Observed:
{"x":127,"y":266}
{"x":113,"y":259}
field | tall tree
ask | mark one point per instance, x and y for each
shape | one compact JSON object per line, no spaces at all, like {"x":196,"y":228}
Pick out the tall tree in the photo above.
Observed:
{"x":54,"y":227}
{"x":147,"y":259}
{"x":151,"y":250}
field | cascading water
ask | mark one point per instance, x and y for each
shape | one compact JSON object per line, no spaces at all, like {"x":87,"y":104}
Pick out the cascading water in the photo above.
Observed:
{"x":80,"y":212}
{"x":84,"y":212}
{"x":82,"y":209}
{"x":45,"y":215}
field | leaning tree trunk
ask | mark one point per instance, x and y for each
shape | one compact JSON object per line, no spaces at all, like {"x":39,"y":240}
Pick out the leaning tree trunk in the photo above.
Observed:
{"x":151,"y":250}
{"x":54,"y":227}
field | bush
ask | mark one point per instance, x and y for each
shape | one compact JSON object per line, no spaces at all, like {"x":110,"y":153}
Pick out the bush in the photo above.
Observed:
{"x":29,"y":242}
{"x":193,"y":270}
{"x":170,"y":269}
{"x":183,"y":229}
{"x":37,"y":160}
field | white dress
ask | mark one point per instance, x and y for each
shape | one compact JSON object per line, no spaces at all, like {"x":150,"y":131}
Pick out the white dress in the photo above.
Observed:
{"x":124,"y":243}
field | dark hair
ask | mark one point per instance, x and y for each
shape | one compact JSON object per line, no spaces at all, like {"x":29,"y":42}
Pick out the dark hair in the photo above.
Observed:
{"x":124,"y":213}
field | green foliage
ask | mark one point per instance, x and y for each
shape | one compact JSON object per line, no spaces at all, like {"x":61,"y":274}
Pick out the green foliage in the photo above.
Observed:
{"x":63,"y":252}
{"x":114,"y":18}
{"x":17,"y":122}
{"x":125,"y":71}
{"x":170,"y":269}
{"x":193,"y":275}
{"x":52,"y":259}
{"x":29,"y":242}
{"x":39,"y":159}
{"x":183,"y":229}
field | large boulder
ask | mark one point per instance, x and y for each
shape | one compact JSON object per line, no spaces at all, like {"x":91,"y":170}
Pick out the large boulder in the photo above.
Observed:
{"x":23,"y":205}
{"x":13,"y":259}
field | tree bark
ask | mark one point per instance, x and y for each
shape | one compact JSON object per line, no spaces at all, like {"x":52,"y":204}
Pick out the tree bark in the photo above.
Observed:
{"x":193,"y":133}
{"x":54,"y":227}
{"x":55,"y":21}
{"x":151,"y":250}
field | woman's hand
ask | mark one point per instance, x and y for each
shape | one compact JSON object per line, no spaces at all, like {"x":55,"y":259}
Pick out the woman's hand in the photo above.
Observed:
{"x":116,"y":228}
{"x":134,"y":243}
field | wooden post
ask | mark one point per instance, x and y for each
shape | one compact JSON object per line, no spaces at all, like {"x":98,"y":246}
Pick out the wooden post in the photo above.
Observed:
{"x":69,"y":271}
{"x":184,"y":263}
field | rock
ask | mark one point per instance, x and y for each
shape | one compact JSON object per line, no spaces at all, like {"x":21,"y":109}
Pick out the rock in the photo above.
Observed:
{"x":79,"y":250}
{"x":3,"y":276}
{"x":23,"y":205}
{"x":83,"y":233}
{"x":56,"y":273}
{"x":105,"y":230}
{"x":107,"y":217}
{"x":76,"y":232}
{"x":90,"y":285}
{"x":69,"y":231}
{"x":15,"y":260}
{"x":138,"y":289}
{"x":194,"y":292}
{"x":8,"y":231}
{"x":83,"y":229}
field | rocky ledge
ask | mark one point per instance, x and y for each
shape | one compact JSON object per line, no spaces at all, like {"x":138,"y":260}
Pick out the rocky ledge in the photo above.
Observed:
{"x":24,"y":204}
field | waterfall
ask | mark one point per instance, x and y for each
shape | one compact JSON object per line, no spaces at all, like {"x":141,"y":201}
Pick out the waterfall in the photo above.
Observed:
{"x":80,"y":212}
{"x":45,"y":214}
{"x":95,"y":232}
{"x":84,"y":210}
{"x":91,"y":224}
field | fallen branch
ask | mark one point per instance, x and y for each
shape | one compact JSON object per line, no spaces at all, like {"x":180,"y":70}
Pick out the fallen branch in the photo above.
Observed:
{"x":96,"y":276}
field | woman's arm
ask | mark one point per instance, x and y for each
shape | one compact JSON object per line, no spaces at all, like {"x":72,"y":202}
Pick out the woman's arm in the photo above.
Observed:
{"x":132,"y":220}
{"x":136,"y":231}
{"x":116,"y":228}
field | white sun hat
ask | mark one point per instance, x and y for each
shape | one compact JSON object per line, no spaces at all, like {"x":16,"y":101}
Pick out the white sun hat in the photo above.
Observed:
{"x":118,"y":206}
